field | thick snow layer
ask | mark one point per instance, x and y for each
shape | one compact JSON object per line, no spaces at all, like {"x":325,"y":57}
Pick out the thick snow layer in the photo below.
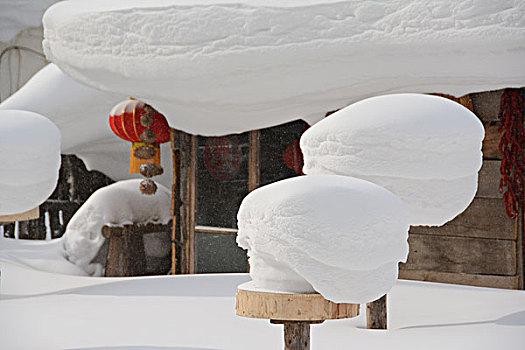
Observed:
{"x":114,"y":205}
{"x":215,"y":67}
{"x":18,"y":15}
{"x":29,"y":158}
{"x":81,"y":113}
{"x":425,"y":149}
{"x":339,"y":236}
{"x":193,"y":312}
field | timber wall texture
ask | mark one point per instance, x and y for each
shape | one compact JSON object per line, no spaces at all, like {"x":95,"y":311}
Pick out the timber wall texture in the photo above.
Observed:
{"x":482,"y":246}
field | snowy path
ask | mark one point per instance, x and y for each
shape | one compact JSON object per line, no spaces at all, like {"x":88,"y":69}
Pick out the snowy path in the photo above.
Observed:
{"x":42,"y":310}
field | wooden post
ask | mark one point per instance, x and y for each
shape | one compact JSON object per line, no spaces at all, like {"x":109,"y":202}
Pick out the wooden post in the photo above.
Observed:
{"x":175,"y":197}
{"x":376,"y":314}
{"x":520,"y":236}
{"x":114,"y":251}
{"x":188,"y":193}
{"x":253,"y":161}
{"x":296,"y":334}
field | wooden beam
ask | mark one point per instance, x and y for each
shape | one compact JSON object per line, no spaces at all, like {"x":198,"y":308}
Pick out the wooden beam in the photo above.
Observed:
{"x":175,"y":197}
{"x":488,"y":180}
{"x":484,"y":218}
{"x":490,"y":281}
{"x":376,"y":314}
{"x":27,"y":215}
{"x":253,"y":161}
{"x":216,"y":230}
{"x":461,"y":255}
{"x":188,"y":194}
{"x":520,"y":233}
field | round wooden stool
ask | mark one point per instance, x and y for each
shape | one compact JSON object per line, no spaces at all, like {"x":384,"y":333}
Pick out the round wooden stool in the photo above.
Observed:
{"x":295,"y":311}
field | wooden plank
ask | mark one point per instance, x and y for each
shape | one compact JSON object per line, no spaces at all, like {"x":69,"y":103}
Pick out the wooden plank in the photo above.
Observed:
{"x":216,"y":230}
{"x":253,"y":161}
{"x":291,"y":307}
{"x":376,"y":314}
{"x":490,"y":146}
{"x":486,"y":105}
{"x":27,"y":215}
{"x":491,"y":281}
{"x":489,"y":178}
{"x":175,"y":197}
{"x":461,"y":255}
{"x":520,"y":249}
{"x":192,"y":202}
{"x":484,"y":218}
{"x":188,"y":194}
{"x":134,"y":241}
{"x":113,"y":260}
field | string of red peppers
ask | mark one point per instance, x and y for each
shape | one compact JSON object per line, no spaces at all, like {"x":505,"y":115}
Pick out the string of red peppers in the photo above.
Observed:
{"x":511,"y":146}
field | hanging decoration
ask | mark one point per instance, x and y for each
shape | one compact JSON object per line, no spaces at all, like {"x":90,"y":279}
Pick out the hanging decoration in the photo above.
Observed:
{"x":223,"y":156}
{"x":141,"y":124}
{"x":511,"y":116}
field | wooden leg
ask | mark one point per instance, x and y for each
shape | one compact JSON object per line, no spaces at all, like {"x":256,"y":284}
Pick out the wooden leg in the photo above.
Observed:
{"x":376,"y":315}
{"x":296,"y":334}
{"x":114,"y":251}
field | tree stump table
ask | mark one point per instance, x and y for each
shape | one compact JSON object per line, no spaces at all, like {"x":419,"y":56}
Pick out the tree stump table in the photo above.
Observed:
{"x":296,"y":312}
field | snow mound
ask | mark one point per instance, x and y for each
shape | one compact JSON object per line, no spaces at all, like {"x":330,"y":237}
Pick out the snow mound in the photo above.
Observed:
{"x":425,"y":149}
{"x":114,"y":205}
{"x":214,"y":67}
{"x":30,"y":158}
{"x":336,"y":235}
{"x":81,"y":114}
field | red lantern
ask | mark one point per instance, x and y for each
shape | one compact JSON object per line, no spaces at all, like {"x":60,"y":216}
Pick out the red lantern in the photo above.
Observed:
{"x":141,"y":124}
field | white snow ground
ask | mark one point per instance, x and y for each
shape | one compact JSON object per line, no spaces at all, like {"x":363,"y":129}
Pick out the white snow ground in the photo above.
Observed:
{"x":41,"y":310}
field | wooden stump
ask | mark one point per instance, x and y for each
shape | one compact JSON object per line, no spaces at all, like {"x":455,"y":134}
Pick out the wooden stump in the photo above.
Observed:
{"x":295,"y":311}
{"x":376,"y":316}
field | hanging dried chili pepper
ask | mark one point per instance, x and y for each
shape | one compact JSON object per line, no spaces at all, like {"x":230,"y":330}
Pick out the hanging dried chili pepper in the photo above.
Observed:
{"x":511,"y":116}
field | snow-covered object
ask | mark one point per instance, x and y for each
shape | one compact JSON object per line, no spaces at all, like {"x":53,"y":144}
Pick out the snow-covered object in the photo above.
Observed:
{"x":114,"y":205}
{"x":425,"y":149}
{"x":81,"y":113}
{"x":29,"y":160}
{"x":336,"y":235}
{"x":216,"y":67}
{"x":18,"y":15}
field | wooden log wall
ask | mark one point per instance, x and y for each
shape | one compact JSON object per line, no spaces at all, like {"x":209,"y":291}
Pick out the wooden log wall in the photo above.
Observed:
{"x":482,"y":246}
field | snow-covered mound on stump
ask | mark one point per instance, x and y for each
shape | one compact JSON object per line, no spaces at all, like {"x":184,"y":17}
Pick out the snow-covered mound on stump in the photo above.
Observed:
{"x":29,"y":160}
{"x":114,"y":205}
{"x":81,"y":114}
{"x":216,"y":67}
{"x":425,"y":149}
{"x":339,"y":236}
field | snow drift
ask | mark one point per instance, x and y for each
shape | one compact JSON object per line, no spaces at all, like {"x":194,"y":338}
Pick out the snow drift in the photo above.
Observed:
{"x":114,"y":205}
{"x":425,"y":149}
{"x":336,"y":235}
{"x":214,"y":67}
{"x":29,"y":158}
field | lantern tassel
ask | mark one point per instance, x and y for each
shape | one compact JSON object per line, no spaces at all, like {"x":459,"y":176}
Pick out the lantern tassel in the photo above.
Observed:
{"x":135,"y":162}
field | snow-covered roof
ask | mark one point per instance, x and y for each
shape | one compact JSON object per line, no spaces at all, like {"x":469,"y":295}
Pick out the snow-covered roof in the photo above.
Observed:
{"x":216,"y":67}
